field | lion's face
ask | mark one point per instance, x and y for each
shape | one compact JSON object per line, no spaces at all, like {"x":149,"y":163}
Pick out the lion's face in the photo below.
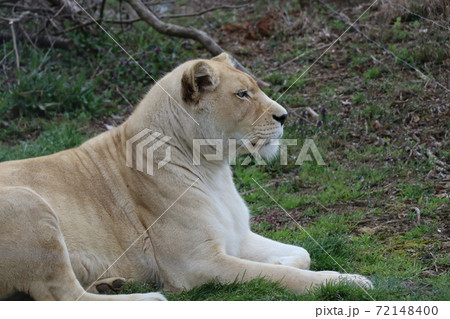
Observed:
{"x":232,"y":105}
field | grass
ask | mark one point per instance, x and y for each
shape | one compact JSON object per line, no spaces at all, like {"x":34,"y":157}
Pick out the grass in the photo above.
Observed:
{"x":54,"y":138}
{"x":359,"y":208}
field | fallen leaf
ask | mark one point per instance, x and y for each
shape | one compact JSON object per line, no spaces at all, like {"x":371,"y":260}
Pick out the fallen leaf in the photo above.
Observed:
{"x":368,"y":230}
{"x":376,"y":125}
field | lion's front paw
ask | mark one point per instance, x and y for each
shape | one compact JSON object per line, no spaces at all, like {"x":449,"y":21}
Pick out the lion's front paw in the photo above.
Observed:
{"x":357,"y":279}
{"x":108,"y":286}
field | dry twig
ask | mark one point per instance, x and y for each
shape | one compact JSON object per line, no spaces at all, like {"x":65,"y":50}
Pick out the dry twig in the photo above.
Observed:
{"x":194,"y":14}
{"x":16,"y":51}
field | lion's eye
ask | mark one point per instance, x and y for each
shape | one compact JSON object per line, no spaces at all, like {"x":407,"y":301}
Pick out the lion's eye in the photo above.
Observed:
{"x":242,"y":94}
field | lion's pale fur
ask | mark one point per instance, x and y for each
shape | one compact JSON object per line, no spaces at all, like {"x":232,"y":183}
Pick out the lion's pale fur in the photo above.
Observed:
{"x":65,"y":218}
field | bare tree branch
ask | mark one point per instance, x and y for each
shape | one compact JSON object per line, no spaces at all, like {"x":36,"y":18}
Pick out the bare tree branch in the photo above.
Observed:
{"x":22,"y":7}
{"x":183,"y":32}
{"x":42,"y":40}
{"x":16,"y":51}
{"x":174,"y":16}
{"x":69,"y":7}
{"x":78,"y":26}
{"x":102,"y":8}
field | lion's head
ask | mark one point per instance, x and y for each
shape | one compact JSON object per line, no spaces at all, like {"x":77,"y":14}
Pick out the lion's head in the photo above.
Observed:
{"x":210,"y":99}
{"x":229,"y":104}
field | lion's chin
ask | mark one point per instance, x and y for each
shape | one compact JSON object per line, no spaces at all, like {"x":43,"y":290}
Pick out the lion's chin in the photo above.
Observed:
{"x":268,"y":151}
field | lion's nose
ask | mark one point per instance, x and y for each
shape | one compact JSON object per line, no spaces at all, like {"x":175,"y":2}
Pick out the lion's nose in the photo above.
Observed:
{"x":280,"y":118}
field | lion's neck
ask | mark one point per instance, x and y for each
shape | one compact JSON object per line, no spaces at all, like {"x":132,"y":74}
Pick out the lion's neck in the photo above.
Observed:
{"x":159,"y":113}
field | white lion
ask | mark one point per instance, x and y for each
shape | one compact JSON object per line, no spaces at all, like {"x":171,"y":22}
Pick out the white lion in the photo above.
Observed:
{"x":66,"y":218}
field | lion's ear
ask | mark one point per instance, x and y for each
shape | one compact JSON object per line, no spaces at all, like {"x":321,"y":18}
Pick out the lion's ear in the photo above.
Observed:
{"x":198,"y":79}
{"x":224,"y":58}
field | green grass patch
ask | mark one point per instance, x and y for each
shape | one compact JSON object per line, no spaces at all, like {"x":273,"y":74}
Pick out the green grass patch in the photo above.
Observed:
{"x":53,"y":139}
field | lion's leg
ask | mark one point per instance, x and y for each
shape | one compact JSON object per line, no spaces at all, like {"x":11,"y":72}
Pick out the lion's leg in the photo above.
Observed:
{"x":33,"y":255}
{"x":217,"y":265}
{"x":257,"y":248}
